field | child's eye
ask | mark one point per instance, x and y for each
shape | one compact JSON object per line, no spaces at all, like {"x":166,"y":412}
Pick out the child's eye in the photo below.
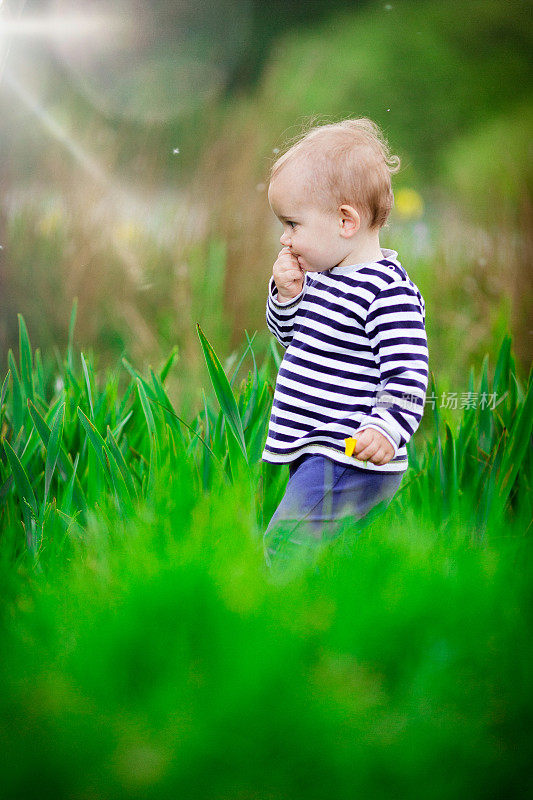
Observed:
{"x":291,"y":224}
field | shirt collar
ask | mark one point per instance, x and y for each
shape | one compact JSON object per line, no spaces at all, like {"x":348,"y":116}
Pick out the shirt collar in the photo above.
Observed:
{"x":389,"y":255}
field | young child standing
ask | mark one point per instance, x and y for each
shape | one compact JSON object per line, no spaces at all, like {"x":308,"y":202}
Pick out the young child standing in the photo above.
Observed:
{"x":353,"y":325}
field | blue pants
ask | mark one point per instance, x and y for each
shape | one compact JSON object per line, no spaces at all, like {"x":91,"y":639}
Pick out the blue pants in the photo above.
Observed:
{"x":320,"y":492}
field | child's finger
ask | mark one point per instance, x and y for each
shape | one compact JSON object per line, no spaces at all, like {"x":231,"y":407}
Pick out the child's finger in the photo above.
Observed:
{"x":289,"y":272}
{"x":294,"y":276}
{"x":364,"y":438}
{"x":366,"y":454}
{"x":379,"y":457}
{"x":287,"y":266}
{"x":286,"y":251}
{"x":288,"y":258}
{"x":365,"y":449}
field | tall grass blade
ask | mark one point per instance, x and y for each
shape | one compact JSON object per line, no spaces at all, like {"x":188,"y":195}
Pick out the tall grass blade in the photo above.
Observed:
{"x":5,"y":488}
{"x":67,"y":497}
{"x":4,"y":388}
{"x":487,"y":495}
{"x":519,"y":442}
{"x":465,"y":448}
{"x":167,"y":366}
{"x":450,"y":464}
{"x":520,"y":394}
{"x":275,"y":353}
{"x":163,"y":401}
{"x":237,"y":368}
{"x":412,"y":456}
{"x":152,"y":434}
{"x":71,"y":382}
{"x":122,"y":494}
{"x":120,"y":426}
{"x":95,"y":440}
{"x":235,"y":457}
{"x":189,"y":428}
{"x":501,"y":373}
{"x":252,"y":400}
{"x":64,"y":462}
{"x":26,"y":360}
{"x":18,"y":408}
{"x":22,"y":482}
{"x":87,"y":385}
{"x":223,"y":392}
{"x":40,"y":374}
{"x":54,"y":446}
{"x":206,"y":466}
{"x":147,"y":410}
{"x":138,"y":377}
{"x":256,"y":438}
{"x":127,"y":394}
{"x":443,"y":482}
{"x":485,"y":422}
{"x":121,"y":463}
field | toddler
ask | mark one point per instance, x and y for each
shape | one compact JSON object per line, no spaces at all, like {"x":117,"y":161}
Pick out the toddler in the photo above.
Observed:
{"x":353,"y":325}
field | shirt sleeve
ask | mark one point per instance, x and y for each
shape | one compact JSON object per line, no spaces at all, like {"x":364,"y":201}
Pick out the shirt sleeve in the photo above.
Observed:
{"x":395,"y":326}
{"x":280,"y":316}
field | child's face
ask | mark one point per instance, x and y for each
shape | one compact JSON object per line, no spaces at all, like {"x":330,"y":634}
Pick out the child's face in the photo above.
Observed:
{"x":312,"y":234}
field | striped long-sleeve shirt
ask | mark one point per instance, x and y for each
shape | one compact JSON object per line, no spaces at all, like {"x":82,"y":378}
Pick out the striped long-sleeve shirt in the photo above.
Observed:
{"x":356,"y":357}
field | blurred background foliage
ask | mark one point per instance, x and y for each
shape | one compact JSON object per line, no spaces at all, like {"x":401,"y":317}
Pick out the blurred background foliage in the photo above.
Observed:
{"x":136,"y":156}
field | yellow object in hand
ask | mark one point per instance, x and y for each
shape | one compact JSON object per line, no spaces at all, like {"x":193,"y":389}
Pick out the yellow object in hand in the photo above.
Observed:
{"x":350,"y":447}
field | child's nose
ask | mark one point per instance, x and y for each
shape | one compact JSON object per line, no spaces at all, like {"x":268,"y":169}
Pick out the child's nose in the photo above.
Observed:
{"x":285,"y":239}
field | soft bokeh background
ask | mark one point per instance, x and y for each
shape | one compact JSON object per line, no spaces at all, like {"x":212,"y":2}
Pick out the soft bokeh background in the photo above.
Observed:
{"x":136,"y":141}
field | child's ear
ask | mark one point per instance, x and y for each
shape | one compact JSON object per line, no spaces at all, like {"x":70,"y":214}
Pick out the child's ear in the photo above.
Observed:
{"x":349,"y":221}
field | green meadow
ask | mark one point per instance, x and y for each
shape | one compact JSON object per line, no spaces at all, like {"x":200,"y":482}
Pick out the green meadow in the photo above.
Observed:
{"x":147,"y":650}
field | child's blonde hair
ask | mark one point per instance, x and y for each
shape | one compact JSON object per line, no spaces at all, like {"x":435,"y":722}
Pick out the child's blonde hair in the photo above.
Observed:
{"x":346,"y":162}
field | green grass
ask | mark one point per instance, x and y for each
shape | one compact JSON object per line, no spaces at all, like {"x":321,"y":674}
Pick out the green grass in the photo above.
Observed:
{"x":149,"y":652}
{"x":159,"y":660}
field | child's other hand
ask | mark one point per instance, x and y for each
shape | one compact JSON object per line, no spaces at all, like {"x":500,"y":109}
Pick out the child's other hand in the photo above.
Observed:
{"x":373,"y":446}
{"x":288,"y":275}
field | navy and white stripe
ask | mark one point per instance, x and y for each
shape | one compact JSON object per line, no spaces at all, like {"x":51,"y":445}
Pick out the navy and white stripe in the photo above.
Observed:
{"x":356,"y":357}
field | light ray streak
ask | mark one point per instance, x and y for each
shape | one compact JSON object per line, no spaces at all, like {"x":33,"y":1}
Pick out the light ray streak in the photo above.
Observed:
{"x":122,"y":202}
{"x":89,"y":163}
{"x":79,"y":26}
{"x":6,"y":44}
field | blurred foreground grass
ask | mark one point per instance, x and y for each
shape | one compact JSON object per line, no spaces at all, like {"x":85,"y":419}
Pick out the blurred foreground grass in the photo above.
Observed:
{"x":149,"y":652}
{"x":157,"y":660}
